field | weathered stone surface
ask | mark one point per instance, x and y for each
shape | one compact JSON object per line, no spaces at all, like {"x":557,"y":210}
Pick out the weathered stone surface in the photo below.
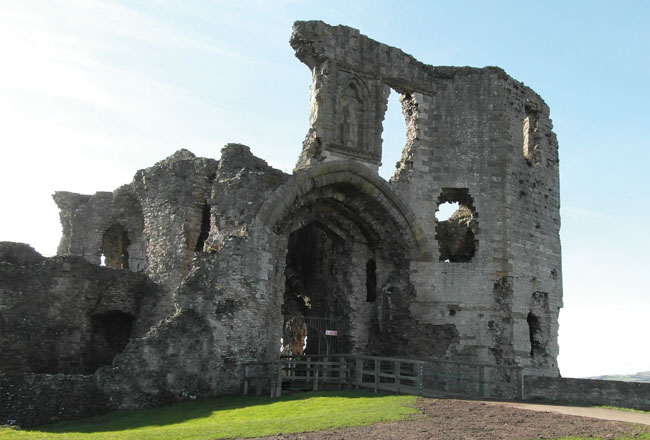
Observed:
{"x":18,"y":253}
{"x":65,"y":315}
{"x":589,"y":391}
{"x":28,"y":400}
{"x":234,"y":248}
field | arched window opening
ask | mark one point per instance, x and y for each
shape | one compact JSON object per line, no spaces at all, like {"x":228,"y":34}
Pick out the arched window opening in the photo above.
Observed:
{"x":111,"y":332}
{"x":532,"y":136}
{"x":205,"y":227}
{"x":371,"y":281}
{"x":534,"y":333}
{"x":114,"y":249}
{"x":317,"y":267}
{"x":457,"y":225}
{"x":393,"y":135}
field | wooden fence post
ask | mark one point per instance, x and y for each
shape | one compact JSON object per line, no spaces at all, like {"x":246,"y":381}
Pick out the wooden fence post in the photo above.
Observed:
{"x":258,"y":381}
{"x":419,"y":382}
{"x":245,"y":379}
{"x":377,"y":374}
{"x":397,"y":378}
{"x":358,"y":372}
{"x":278,"y":383}
{"x":273,"y":375}
{"x":315,"y":387}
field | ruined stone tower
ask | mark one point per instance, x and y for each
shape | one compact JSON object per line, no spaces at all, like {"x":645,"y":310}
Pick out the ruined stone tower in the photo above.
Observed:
{"x":230,"y":254}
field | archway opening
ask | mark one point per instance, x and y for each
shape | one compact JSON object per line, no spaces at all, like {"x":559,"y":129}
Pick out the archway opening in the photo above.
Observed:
{"x":110,"y":332}
{"x":114,"y":248}
{"x":316,"y":285}
{"x":327,"y":235}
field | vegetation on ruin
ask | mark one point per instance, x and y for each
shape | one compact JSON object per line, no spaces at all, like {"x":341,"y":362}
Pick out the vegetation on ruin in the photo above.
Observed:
{"x":232,"y":417}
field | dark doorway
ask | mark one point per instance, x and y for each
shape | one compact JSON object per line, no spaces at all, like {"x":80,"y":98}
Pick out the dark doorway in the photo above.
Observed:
{"x":536,"y":335}
{"x":317,"y":271}
{"x":111,"y":332}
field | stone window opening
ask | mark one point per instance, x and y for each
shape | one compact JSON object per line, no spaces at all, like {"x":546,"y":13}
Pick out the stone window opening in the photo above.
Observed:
{"x":110,"y":332}
{"x":532,"y":137}
{"x":205,"y":227}
{"x":316,"y":267}
{"x":456,"y":226}
{"x":535,"y":334}
{"x":393,"y":135}
{"x":371,"y":280}
{"x":114,"y":248}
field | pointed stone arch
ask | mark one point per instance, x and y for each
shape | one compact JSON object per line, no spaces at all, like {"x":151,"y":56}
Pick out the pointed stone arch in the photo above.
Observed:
{"x":350,"y":177}
{"x":322,"y":227}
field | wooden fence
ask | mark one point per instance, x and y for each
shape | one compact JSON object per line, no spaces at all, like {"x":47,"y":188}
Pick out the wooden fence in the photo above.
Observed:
{"x":431,"y":377}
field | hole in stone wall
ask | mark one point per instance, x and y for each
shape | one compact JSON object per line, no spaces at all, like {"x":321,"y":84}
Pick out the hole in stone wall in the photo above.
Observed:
{"x":446,"y":210}
{"x":371,"y":281}
{"x":316,"y":285}
{"x":205,"y":227}
{"x":111,"y":332}
{"x":536,"y":335}
{"x":538,"y":327}
{"x":456,"y":231}
{"x":114,"y":250}
{"x":393,"y":135}
{"x":532,"y":137}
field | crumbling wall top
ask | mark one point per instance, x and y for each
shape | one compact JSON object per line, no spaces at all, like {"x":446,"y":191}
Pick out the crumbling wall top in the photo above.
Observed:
{"x":316,"y":42}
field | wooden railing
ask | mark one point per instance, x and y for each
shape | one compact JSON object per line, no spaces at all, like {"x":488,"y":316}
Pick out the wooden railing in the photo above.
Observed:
{"x":431,"y":377}
{"x":297,"y":373}
{"x":389,"y":374}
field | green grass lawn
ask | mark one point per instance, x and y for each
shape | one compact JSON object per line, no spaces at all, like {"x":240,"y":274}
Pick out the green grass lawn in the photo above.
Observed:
{"x":233,"y":416}
{"x":619,"y":408}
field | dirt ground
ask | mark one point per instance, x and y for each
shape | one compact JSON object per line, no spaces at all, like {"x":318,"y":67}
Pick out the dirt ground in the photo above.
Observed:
{"x":450,"y":419}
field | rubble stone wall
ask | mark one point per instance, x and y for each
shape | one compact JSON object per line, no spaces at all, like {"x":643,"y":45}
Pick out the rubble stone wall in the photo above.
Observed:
{"x":52,"y":309}
{"x":589,"y":391}
{"x":28,"y":400}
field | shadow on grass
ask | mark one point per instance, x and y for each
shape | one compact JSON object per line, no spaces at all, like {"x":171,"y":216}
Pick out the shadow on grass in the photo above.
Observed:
{"x":183,"y":411}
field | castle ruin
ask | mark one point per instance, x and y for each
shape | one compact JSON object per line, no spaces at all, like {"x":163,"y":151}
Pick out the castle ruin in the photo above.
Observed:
{"x":170,"y":284}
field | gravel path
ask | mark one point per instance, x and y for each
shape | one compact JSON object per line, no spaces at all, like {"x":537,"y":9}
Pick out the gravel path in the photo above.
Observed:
{"x":451,"y":419}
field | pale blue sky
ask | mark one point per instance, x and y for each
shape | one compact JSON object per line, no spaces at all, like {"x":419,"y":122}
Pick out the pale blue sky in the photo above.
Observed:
{"x":93,"y":90}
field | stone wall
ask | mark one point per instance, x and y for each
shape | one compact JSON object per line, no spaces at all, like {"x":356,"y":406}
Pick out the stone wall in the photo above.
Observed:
{"x":28,"y":400}
{"x":588,"y":391}
{"x":476,"y":137}
{"x":87,"y":218}
{"x":224,"y":316}
{"x":65,"y":315}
